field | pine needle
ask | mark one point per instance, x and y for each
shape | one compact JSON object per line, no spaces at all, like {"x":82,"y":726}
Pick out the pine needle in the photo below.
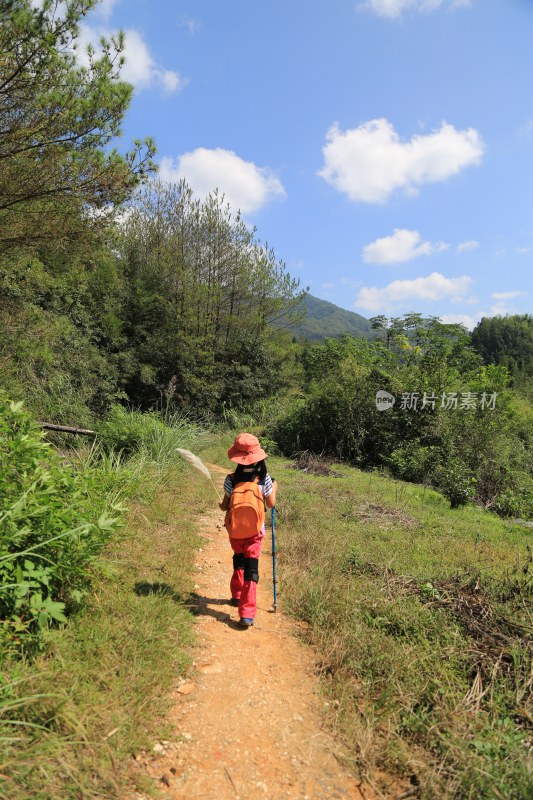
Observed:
{"x":198,"y":464}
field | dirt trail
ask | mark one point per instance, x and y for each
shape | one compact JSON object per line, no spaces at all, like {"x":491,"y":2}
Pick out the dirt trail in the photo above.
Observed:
{"x":248,"y":720}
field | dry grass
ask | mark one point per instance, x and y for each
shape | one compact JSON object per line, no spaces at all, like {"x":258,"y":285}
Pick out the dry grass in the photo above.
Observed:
{"x":308,"y":462}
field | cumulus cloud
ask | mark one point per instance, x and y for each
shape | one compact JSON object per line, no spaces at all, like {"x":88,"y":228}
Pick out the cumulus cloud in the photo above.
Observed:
{"x":433,"y":287}
{"x":140,"y":68}
{"x":246,"y":187}
{"x":403,"y":245}
{"x":468,"y":320}
{"x":370,"y":162}
{"x":471,"y":320}
{"x":394,"y":8}
{"x":502,"y":309}
{"x":463,"y":247}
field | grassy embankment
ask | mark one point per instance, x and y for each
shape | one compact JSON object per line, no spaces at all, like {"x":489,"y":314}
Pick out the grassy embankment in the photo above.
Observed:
{"x":419,"y":616}
{"x":72,"y":716}
{"x":421,"y":619}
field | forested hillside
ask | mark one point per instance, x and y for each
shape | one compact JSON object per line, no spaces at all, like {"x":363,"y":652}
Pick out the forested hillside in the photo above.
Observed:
{"x":323,"y":318}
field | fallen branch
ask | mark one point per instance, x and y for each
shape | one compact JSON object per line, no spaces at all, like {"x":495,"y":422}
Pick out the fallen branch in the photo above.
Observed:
{"x":66,"y":429}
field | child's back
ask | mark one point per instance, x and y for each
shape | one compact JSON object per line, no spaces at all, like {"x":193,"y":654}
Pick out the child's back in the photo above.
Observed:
{"x":245,"y":493}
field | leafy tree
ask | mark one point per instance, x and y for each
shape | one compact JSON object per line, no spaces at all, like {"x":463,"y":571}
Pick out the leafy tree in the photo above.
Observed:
{"x":57,"y":120}
{"x":202,"y":297}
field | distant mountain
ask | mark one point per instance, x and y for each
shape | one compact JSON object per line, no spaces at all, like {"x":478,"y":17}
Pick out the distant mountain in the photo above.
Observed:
{"x":326,"y":319}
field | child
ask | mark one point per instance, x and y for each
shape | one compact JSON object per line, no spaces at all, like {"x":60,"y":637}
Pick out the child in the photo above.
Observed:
{"x":247,"y":453}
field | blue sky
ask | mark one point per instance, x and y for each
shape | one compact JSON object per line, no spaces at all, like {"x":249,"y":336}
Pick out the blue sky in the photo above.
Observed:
{"x":384,"y":148}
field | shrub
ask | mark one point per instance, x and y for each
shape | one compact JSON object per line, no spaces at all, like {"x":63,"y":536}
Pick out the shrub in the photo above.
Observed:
{"x":270,"y":446}
{"x":413,"y":462}
{"x":51,"y":528}
{"x":456,"y":483}
{"x":515,"y":503}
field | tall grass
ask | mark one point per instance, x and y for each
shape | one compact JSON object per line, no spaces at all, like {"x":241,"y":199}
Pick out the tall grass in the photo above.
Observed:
{"x":421,"y":618}
{"x":151,"y":437}
{"x":55,"y":735}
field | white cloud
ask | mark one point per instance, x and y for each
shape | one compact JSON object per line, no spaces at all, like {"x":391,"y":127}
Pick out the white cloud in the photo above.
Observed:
{"x":140,"y":68}
{"x":400,"y":292}
{"x":403,"y":245}
{"x":105,"y":7}
{"x":523,"y":251}
{"x":468,"y":320}
{"x":502,"y":309}
{"x":245,"y":186}
{"x":394,"y":8}
{"x":508,"y":295}
{"x":328,"y":286}
{"x":463,"y":247}
{"x":370,"y":162}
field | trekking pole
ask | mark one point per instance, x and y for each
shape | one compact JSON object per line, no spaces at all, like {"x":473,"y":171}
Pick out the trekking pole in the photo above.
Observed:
{"x":274,"y":576}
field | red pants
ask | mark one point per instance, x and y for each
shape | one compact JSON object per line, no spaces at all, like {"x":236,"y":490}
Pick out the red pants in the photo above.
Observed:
{"x":242,"y":584}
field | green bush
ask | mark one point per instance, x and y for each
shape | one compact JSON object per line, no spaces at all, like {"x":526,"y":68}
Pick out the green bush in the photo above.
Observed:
{"x":515,"y":503}
{"x":270,"y":446}
{"x":456,"y":483}
{"x":339,"y":419}
{"x":52,"y":526}
{"x":413,"y":462}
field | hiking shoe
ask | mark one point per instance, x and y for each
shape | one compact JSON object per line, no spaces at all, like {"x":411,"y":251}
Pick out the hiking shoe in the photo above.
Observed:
{"x":246,"y":622}
{"x":234,"y":601}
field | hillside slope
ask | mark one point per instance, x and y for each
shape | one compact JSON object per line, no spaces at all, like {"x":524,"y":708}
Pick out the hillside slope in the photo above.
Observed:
{"x":326,"y":319}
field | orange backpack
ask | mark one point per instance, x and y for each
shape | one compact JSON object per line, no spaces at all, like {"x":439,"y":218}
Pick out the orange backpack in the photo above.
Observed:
{"x":246,"y":512}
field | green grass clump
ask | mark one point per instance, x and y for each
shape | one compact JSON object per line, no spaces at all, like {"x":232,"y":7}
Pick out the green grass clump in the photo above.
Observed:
{"x":54,"y":522}
{"x":421,"y":618}
{"x":71,"y":720}
{"x":151,"y":435}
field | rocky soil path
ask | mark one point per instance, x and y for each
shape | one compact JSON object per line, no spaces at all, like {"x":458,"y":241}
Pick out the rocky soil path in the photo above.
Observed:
{"x":248,"y":721}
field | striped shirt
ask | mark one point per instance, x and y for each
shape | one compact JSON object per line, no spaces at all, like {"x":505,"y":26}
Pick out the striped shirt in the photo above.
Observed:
{"x":265,"y":486}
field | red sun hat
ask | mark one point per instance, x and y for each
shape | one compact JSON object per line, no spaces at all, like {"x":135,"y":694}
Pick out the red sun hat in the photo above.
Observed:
{"x":246,"y":450}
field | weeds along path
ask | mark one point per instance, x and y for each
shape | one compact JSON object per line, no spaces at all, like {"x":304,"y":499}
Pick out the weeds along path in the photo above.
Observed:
{"x":247,"y":722}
